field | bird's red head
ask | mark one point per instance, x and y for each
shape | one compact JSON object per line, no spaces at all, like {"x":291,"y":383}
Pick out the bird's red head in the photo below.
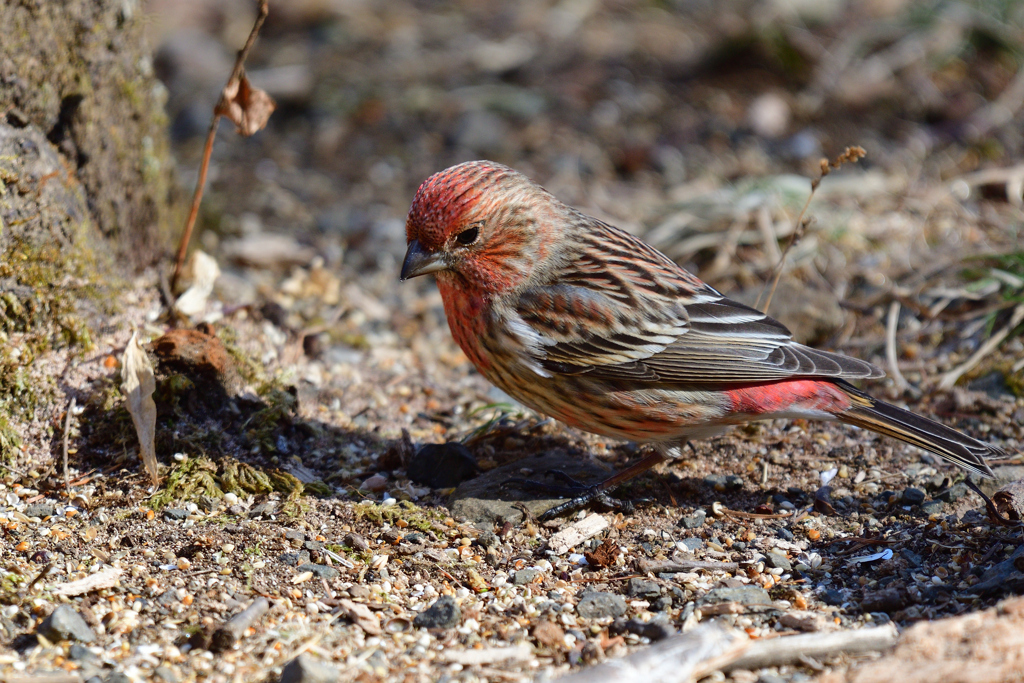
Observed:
{"x":476,"y":226}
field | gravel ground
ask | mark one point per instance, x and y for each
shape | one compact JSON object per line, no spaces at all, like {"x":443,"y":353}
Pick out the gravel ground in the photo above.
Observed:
{"x":326,"y":447}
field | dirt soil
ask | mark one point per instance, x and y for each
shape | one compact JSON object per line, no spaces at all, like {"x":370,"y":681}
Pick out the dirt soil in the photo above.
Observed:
{"x":325,"y":445}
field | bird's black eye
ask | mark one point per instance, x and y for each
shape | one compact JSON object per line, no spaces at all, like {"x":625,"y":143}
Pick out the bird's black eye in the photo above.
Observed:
{"x":467,"y":237}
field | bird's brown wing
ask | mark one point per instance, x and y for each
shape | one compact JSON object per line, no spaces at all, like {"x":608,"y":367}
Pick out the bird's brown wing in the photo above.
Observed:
{"x":622,"y":311}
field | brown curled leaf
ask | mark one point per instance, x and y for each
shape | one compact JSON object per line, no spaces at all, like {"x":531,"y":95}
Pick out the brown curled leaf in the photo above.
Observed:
{"x":247,"y":107}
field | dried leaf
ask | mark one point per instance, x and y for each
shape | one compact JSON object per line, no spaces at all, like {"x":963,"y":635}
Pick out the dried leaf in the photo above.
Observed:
{"x":138,"y":385}
{"x":248,"y":108}
{"x":604,"y":555}
{"x":201,"y":273}
{"x":361,"y":616}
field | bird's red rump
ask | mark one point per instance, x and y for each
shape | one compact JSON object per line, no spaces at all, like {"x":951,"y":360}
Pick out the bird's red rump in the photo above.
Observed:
{"x":807,"y":394}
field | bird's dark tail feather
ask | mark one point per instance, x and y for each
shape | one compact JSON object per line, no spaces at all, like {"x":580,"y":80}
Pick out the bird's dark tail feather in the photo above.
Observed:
{"x":943,"y":441}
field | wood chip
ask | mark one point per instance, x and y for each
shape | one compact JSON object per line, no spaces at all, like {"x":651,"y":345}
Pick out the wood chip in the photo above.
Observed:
{"x":575,"y":534}
{"x":489,"y":655}
{"x":105,"y":578}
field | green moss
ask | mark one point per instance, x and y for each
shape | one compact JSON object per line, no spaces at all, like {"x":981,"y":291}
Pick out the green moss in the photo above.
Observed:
{"x":242,"y":478}
{"x":418,"y":518}
{"x":9,"y":441}
{"x":201,"y":476}
{"x":39,"y":313}
{"x":191,"y":479}
{"x":262,"y":427}
{"x":319,"y":489}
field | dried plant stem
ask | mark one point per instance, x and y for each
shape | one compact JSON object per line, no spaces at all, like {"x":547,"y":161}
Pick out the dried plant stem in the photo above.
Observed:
{"x":890,"y":347}
{"x":67,"y":435}
{"x":849,"y":155}
{"x":218,"y":110}
{"x":993,"y":342}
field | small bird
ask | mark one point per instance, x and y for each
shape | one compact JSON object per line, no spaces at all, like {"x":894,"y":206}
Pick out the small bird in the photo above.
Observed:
{"x":583,"y":322}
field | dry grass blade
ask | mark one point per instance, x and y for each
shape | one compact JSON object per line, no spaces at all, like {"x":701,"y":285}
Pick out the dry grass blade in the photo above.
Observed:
{"x":67,"y":437}
{"x":849,"y":156}
{"x":138,"y":385}
{"x":993,"y":342}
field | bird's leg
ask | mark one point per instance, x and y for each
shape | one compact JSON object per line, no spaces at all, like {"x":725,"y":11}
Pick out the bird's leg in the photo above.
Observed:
{"x":597,"y":492}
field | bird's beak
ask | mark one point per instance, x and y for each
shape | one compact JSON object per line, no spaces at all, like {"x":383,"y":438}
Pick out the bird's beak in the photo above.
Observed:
{"x":420,"y":262}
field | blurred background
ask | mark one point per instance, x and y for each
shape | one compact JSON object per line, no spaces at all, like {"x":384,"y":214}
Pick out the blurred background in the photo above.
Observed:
{"x":696,"y":124}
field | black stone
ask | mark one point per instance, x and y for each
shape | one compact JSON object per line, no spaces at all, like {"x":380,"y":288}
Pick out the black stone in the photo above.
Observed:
{"x":644,"y":589}
{"x":168,"y":597}
{"x":653,"y":630}
{"x":526,"y":576}
{"x":887,"y":600}
{"x":175,"y":514}
{"x":778,"y":561}
{"x":80,"y":653}
{"x":308,"y":669}
{"x":262,"y":510}
{"x":784,"y":533}
{"x":442,"y":466}
{"x":356,"y":542}
{"x":488,"y":539}
{"x":662,"y":604}
{"x":444,"y":613}
{"x":830,"y":596}
{"x":294,"y":559}
{"x":912,"y":496}
{"x":953,"y":493}
{"x":695,"y":520}
{"x":319,"y":570}
{"x":595,"y":605}
{"x":64,"y":623}
{"x":693,"y":544}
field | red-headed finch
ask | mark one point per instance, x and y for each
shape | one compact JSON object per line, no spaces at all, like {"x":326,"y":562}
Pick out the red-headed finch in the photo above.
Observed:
{"x":588,"y":324}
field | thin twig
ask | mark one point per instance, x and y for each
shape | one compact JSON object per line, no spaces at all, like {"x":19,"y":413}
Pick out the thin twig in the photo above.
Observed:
{"x":990,"y":345}
{"x":67,"y":433}
{"x":219,"y":109}
{"x":787,"y":650}
{"x":849,"y":155}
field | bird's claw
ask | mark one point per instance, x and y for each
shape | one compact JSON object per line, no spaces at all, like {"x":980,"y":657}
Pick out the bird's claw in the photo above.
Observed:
{"x":581,"y":495}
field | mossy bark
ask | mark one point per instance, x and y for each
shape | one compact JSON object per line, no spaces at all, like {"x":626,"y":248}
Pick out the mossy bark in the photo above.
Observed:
{"x":86,"y":186}
{"x":79,"y":72}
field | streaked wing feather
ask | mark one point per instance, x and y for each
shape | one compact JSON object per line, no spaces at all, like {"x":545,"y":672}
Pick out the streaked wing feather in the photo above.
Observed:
{"x":674,"y":329}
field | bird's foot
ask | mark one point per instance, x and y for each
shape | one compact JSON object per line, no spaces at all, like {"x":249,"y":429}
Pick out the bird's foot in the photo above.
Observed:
{"x":581,"y":494}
